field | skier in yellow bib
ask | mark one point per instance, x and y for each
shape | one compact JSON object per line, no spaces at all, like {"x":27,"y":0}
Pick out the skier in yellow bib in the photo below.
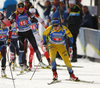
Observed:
{"x":57,"y":42}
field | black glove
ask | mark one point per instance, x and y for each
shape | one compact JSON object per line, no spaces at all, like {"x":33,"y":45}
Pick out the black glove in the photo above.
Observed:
{"x":44,"y":43}
{"x":1,"y":16}
{"x":38,"y":3}
{"x":10,"y":28}
{"x":34,"y":20}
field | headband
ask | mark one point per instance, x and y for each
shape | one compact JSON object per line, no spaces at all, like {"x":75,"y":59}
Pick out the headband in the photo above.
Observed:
{"x":56,"y":21}
{"x":32,"y":10}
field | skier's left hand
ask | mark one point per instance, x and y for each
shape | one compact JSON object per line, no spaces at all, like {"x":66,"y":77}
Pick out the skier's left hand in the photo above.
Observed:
{"x":44,"y":48}
{"x":8,"y":41}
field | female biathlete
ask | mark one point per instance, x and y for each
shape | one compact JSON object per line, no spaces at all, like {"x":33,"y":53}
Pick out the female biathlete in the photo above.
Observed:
{"x":57,"y":42}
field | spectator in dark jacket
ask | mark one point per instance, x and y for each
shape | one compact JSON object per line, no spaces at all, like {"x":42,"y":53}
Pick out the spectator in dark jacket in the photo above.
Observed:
{"x":74,"y":20}
{"x":87,"y":20}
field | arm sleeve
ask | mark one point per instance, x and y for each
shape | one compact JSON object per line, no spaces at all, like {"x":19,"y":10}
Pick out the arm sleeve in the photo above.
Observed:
{"x":12,"y":17}
{"x":46,"y":32}
{"x":41,"y":21}
{"x":67,"y":32}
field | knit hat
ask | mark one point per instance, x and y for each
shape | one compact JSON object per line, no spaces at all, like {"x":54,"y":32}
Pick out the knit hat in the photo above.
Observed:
{"x":47,"y":0}
{"x":72,"y":1}
{"x":51,"y":0}
{"x":62,"y":1}
{"x":27,"y":0}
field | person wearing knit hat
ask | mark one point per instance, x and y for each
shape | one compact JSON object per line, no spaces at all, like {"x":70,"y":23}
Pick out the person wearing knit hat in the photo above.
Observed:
{"x":72,"y":1}
{"x":62,"y":1}
{"x":74,"y":21}
{"x":28,"y":4}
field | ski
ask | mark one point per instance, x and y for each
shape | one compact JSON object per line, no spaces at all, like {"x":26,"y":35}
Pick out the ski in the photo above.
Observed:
{"x":54,"y":81}
{"x":20,"y":74}
{"x":79,"y":81}
{"x":47,"y":67}
{"x":8,"y":78}
{"x":24,"y":72}
{"x":72,"y":66}
{"x":30,"y":70}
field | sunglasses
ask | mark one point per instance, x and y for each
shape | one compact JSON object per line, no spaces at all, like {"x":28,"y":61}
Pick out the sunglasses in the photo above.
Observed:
{"x":20,"y":9}
{"x":61,"y":4}
{"x":55,"y":25}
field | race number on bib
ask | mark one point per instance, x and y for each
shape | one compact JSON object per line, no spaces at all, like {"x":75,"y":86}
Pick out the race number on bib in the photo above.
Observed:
{"x":33,"y":27}
{"x":22,"y":23}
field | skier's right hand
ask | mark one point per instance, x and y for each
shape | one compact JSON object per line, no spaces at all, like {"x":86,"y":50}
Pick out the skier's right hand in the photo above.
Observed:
{"x":44,"y":43}
{"x":1,"y":16}
{"x":70,"y":49}
{"x":44,"y":48}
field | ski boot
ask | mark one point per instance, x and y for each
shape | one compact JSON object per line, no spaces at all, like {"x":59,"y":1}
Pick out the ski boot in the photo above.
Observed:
{"x":12,"y":64}
{"x":3,"y":74}
{"x":43,"y":65}
{"x":74,"y":60}
{"x":55,"y":76}
{"x":49,"y":62}
{"x":22,"y":68}
{"x":15,"y":64}
{"x":30,"y":66}
{"x":73,"y":77}
{"x":25,"y":67}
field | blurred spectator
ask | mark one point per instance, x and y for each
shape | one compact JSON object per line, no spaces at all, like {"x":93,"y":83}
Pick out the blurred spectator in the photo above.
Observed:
{"x":10,"y":6}
{"x":87,"y":20}
{"x":4,"y":11}
{"x":99,"y":19}
{"x":61,"y":12}
{"x":73,"y":21}
{"x":55,"y":5}
{"x":52,"y":2}
{"x":28,"y":4}
{"x":46,"y":8}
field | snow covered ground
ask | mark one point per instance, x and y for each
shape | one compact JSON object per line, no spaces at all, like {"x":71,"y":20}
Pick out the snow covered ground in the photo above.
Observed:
{"x":90,"y":71}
